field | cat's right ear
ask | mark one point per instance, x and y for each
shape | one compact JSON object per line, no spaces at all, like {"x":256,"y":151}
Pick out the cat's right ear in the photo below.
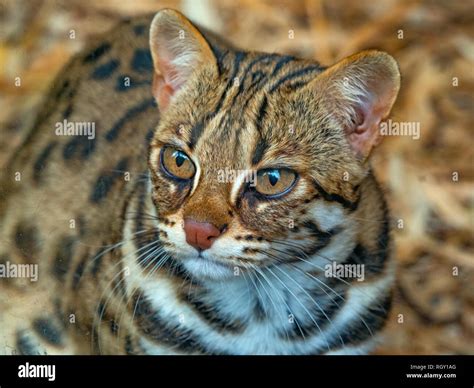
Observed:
{"x":178,"y":49}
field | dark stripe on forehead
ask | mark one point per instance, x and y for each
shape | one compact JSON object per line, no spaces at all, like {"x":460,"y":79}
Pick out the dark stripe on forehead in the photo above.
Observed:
{"x":265,"y":58}
{"x":296,"y":85}
{"x":282,"y":62}
{"x":198,"y":128}
{"x":258,"y":80}
{"x":196,"y":132}
{"x":261,"y":78}
{"x":294,"y":75}
{"x":260,"y":149}
{"x":262,"y":144}
{"x":239,"y":57}
{"x":262,"y":111}
{"x":257,"y":76}
{"x":261,"y":75}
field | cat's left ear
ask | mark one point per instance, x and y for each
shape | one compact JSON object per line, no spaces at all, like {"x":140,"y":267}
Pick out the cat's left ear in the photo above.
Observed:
{"x":359,"y":93}
{"x":178,"y":49}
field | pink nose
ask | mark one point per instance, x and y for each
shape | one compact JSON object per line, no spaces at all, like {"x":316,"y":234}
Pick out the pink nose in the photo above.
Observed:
{"x":200,"y":235}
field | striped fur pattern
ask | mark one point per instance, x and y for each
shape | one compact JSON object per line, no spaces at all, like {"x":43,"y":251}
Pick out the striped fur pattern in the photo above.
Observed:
{"x":104,"y":223}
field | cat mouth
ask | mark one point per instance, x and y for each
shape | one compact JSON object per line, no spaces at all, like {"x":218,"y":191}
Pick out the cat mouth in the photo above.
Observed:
{"x":213,"y":261}
{"x":203,"y":265}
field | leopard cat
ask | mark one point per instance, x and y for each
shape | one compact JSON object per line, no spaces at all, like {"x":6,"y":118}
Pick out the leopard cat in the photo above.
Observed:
{"x":223,"y":203}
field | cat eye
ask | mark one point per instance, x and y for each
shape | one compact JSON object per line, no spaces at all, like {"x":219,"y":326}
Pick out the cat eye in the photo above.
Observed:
{"x":176,"y":163}
{"x":275,"y":181}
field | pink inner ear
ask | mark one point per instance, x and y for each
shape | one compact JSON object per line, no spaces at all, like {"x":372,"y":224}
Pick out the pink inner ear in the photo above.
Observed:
{"x":365,"y":134}
{"x":170,"y":73}
{"x":161,"y":91}
{"x":165,"y":84}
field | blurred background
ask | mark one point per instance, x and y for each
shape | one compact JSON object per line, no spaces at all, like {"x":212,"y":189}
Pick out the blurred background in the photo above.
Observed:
{"x":429,"y":181}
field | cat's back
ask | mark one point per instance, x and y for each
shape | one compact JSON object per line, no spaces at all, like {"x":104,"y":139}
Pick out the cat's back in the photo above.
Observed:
{"x":90,"y":133}
{"x":68,"y":181}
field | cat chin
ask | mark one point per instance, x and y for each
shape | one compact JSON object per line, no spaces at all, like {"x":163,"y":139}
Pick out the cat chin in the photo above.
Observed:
{"x":203,"y":268}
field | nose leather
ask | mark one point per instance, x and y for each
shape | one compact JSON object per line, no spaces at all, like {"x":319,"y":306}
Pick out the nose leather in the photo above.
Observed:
{"x":200,"y":235}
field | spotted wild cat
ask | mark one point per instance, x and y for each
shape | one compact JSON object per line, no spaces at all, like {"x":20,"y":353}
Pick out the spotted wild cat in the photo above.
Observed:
{"x":143,"y":247}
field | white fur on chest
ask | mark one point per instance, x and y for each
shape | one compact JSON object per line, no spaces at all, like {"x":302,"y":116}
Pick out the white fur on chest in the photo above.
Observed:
{"x":259,"y":337}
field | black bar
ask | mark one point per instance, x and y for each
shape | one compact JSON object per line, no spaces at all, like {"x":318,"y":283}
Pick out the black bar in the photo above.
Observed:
{"x":299,"y":371}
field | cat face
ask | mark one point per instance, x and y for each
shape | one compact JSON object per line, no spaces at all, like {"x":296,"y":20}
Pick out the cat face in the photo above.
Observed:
{"x":257,"y":158}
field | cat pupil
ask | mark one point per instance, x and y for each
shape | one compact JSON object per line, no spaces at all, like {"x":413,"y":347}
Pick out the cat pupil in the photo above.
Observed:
{"x":179,"y":159}
{"x":273,"y":177}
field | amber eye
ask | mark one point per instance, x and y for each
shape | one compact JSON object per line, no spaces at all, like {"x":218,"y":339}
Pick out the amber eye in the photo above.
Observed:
{"x":275,"y":181}
{"x":176,"y":163}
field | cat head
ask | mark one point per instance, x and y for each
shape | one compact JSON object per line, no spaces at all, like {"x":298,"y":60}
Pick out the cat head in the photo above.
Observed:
{"x":258,"y":158}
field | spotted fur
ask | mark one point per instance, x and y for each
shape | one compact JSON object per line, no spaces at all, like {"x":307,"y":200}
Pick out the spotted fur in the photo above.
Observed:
{"x":105,"y":224}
